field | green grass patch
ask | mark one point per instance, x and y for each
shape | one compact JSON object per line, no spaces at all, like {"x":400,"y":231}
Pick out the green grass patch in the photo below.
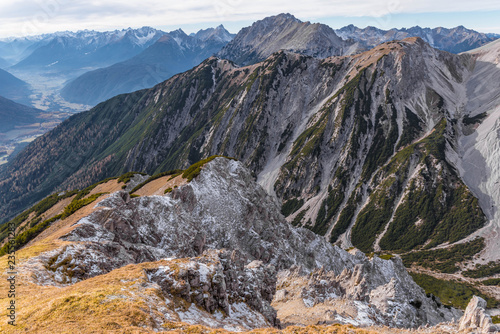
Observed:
{"x":291,"y":206}
{"x":125,"y":178}
{"x":451,"y":293}
{"x":298,"y":218}
{"x":491,"y":281}
{"x":445,"y":260}
{"x":37,"y":227}
{"x":484,"y":270}
{"x":39,"y":208}
{"x":77,"y":204}
{"x":345,"y":217}
{"x":28,"y":235}
{"x":329,"y":209}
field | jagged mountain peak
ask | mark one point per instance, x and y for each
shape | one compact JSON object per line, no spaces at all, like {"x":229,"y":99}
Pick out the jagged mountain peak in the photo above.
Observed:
{"x":219,"y":33}
{"x":283,"y":32}
{"x":280,"y":18}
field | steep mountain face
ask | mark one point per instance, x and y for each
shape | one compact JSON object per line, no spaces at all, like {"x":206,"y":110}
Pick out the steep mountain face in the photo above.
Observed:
{"x":14,"y":114}
{"x":14,"y":88}
{"x":353,"y":147}
{"x":74,"y":51}
{"x":214,"y":251}
{"x":173,"y":53}
{"x":478,"y":145}
{"x":453,"y":40}
{"x":284,"y":32}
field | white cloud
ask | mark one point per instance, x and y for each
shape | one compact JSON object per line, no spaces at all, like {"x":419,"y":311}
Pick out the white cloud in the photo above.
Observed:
{"x":40,"y":16}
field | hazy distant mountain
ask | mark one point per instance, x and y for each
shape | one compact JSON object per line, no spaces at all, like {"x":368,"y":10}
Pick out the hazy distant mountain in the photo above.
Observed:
{"x":13,"y":114}
{"x":15,"y":49}
{"x":173,"y":53}
{"x":14,"y":88}
{"x":3,"y":63}
{"x":454,"y":40}
{"x":491,"y":35}
{"x":68,"y":50}
{"x":284,"y":32}
{"x":214,"y":34}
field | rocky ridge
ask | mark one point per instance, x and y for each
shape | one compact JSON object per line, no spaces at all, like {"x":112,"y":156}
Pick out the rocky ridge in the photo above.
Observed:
{"x":455,"y":40}
{"x":336,"y":140}
{"x":215,"y":250}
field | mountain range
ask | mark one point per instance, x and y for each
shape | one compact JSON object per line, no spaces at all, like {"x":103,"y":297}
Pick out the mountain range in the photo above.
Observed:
{"x":284,"y":32}
{"x":174,"y":52}
{"x":88,"y":67}
{"x":455,"y":40}
{"x":91,"y":49}
{"x":351,"y":160}
{"x":356,"y":144}
{"x":177,"y":52}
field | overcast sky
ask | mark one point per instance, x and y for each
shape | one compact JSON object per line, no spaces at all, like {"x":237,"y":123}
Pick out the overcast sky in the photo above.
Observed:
{"x":32,"y":17}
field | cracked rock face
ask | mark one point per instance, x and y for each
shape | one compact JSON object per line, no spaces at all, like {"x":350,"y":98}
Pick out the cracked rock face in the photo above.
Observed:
{"x":475,"y":318}
{"x":233,"y":253}
{"x":219,"y":282}
{"x":374,"y":292}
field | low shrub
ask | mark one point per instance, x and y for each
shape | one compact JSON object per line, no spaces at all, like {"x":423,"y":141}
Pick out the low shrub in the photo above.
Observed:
{"x":452,"y":293}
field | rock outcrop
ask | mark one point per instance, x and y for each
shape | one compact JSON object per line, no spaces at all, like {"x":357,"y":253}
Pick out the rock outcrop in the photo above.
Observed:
{"x":376,"y":292}
{"x":475,"y":319}
{"x":221,"y":283}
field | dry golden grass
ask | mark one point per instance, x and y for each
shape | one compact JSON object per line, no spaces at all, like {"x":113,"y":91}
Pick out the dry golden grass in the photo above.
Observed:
{"x":108,"y":187}
{"x":57,"y":208}
{"x":118,"y":302}
{"x":64,"y":226}
{"x":158,"y":186}
{"x":122,"y":301}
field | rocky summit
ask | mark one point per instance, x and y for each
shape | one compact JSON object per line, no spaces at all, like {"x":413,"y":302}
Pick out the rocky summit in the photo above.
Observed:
{"x":285,"y":32}
{"x":214,"y":251}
